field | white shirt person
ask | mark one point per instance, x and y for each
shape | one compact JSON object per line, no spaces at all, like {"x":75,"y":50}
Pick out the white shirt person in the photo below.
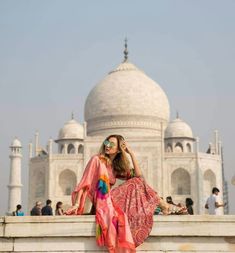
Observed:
{"x":212,"y":203}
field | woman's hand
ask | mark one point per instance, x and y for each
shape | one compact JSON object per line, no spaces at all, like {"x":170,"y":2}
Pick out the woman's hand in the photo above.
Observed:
{"x":77,"y":199}
{"x":126,"y":147}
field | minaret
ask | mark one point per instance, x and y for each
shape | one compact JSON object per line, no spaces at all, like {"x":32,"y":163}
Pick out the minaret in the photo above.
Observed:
{"x":36,"y":143}
{"x":216,"y":141}
{"x":225,"y":183}
{"x":49,"y":146}
{"x":15,"y":185}
{"x":233,"y":180}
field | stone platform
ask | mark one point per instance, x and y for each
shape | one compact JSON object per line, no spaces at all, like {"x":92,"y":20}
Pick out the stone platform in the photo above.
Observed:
{"x":170,"y":234}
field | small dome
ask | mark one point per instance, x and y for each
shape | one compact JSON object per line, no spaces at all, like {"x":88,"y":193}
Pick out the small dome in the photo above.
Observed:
{"x":16,"y":143}
{"x":71,"y":130}
{"x":178,"y":129}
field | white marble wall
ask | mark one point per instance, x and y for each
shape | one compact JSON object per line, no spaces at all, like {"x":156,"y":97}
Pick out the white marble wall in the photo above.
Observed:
{"x":156,"y":164}
{"x":44,"y":174}
{"x":196,"y":165}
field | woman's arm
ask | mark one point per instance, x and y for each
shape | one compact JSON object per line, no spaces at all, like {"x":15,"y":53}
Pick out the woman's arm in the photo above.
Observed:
{"x":136,"y":165}
{"x":133,"y":159}
{"x":78,"y":198}
{"x":81,"y":190}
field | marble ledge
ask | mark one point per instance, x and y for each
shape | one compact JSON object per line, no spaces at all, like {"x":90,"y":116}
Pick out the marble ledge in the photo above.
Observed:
{"x":70,"y":226}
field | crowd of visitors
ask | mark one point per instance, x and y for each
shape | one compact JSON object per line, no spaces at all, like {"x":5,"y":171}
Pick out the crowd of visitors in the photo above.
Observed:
{"x":176,"y":209}
{"x":212,"y":205}
{"x":38,"y":210}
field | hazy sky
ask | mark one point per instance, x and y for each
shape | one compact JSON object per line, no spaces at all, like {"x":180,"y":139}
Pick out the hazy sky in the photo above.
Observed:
{"x":53,"y":52}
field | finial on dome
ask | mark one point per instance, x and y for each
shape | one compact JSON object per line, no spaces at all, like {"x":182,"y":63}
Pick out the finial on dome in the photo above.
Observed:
{"x":125,"y":51}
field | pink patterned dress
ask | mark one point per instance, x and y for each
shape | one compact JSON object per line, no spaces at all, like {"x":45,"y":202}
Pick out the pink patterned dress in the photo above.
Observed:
{"x":124,"y":215}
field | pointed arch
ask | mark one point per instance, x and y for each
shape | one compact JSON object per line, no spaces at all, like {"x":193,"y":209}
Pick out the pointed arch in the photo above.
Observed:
{"x":169,"y":148}
{"x":180,"y":182}
{"x":71,"y":149}
{"x":209,"y":179}
{"x":67,"y":182}
{"x":188,"y":148}
{"x":178,"y":148}
{"x":80,"y":149}
{"x":62,"y":149}
{"x":40,"y":185}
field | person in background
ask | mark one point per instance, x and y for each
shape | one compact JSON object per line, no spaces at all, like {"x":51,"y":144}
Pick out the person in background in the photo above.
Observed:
{"x":47,"y":209}
{"x":18,"y":211}
{"x":36,"y":210}
{"x":170,"y":201}
{"x":189,"y":205}
{"x":212,"y":203}
{"x":59,"y":210}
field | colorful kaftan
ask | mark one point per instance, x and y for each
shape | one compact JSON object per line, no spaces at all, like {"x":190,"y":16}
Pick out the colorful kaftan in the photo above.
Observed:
{"x":124,"y":215}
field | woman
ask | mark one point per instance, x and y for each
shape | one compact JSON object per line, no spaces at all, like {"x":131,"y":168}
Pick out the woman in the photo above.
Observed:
{"x":18,"y":211}
{"x":124,"y":215}
{"x":189,"y":205}
{"x":59,"y":210}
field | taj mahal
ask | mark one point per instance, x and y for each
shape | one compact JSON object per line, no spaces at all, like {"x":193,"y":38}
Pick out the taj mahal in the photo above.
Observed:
{"x":130,"y":103}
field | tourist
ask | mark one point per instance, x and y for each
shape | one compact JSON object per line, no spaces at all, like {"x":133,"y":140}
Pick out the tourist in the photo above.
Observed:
{"x":18,"y":211}
{"x":59,"y":210}
{"x":170,"y":201}
{"x":213,"y":202}
{"x":36,"y":210}
{"x":189,"y":205}
{"x":167,"y":208}
{"x":114,"y":208}
{"x":47,"y":209}
{"x":125,"y":212}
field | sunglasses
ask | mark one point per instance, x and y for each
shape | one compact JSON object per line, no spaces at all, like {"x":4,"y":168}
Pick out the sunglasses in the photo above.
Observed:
{"x":109,"y":144}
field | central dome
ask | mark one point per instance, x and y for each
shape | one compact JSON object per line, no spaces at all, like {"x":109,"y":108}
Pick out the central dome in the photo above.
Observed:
{"x":126,"y":98}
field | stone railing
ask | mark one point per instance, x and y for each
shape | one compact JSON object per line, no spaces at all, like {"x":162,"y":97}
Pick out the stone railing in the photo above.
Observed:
{"x":170,"y":234}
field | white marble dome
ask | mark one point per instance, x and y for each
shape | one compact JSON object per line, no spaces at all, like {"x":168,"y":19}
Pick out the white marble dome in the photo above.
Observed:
{"x":125,"y":98}
{"x":178,"y":129}
{"x":71,"y":130}
{"x":16,"y":143}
